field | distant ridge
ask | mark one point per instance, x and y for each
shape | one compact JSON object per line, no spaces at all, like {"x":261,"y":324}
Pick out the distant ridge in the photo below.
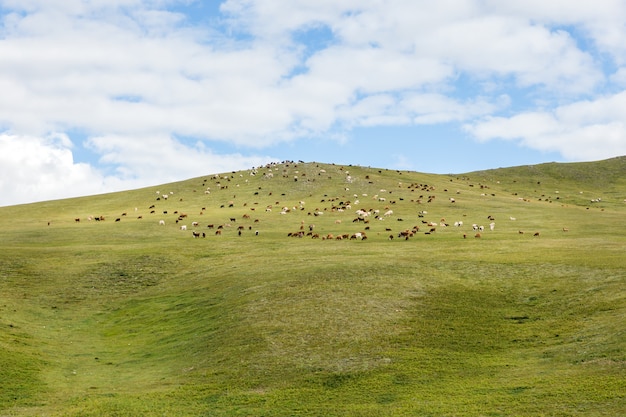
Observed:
{"x":603,"y":173}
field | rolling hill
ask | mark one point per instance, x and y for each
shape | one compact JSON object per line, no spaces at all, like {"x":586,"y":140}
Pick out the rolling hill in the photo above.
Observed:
{"x":107,"y":307}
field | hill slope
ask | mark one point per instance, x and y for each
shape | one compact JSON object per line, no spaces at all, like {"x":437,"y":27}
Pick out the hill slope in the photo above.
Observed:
{"x":270,"y":314}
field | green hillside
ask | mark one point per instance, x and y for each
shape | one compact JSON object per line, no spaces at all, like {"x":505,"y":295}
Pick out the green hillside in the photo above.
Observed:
{"x":105,"y":311}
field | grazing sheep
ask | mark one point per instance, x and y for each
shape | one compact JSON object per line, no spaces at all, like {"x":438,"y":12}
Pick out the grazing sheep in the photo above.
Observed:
{"x":161,"y":222}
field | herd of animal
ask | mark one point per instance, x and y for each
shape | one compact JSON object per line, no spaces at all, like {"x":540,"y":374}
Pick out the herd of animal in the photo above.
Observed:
{"x":370,"y":213}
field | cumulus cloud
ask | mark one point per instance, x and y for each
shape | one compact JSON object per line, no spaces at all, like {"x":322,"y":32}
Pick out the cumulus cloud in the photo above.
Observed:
{"x":584,"y":130}
{"x":167,"y":159}
{"x":144,"y":71}
{"x":33,"y":168}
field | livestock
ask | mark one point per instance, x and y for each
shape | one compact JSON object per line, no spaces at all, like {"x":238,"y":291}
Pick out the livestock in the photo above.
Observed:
{"x":492,"y":225}
{"x":194,"y":223}
{"x":161,"y":222}
{"x":183,"y":227}
{"x":536,"y":234}
{"x":195,"y":234}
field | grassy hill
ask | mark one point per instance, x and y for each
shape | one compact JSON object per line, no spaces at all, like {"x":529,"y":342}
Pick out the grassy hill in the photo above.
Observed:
{"x":123,"y":316}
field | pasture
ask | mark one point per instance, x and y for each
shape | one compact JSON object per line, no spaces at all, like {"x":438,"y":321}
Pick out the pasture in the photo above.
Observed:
{"x":268,"y":313}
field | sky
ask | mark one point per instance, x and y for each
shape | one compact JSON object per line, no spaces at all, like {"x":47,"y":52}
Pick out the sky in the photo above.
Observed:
{"x":109,"y":95}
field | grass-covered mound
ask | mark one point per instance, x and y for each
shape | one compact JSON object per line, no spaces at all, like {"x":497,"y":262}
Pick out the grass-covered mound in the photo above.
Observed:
{"x":274,"y":317}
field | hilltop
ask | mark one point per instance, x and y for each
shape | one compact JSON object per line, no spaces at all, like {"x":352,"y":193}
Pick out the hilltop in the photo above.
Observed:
{"x":109,"y":307}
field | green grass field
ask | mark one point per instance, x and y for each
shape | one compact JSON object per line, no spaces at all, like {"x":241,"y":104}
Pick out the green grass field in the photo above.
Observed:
{"x":133,"y":318}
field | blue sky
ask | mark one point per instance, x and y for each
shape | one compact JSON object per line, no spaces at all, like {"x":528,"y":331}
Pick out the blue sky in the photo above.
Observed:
{"x":108,"y":95}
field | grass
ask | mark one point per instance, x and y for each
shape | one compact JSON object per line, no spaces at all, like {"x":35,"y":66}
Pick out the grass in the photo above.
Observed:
{"x":131,"y":318}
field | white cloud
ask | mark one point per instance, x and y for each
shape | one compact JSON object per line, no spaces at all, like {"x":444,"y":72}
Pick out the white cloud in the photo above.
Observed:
{"x":602,"y":21}
{"x":36,"y":169}
{"x":585,"y":130}
{"x":141,"y":71}
{"x":166,"y":159}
